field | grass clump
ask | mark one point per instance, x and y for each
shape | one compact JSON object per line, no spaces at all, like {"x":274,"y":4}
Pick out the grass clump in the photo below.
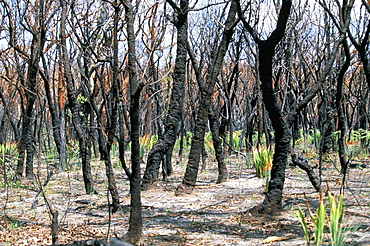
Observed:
{"x":321,"y":221}
{"x":262,"y":160}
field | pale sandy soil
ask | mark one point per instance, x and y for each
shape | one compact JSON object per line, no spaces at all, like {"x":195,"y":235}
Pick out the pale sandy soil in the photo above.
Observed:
{"x":215,"y":214}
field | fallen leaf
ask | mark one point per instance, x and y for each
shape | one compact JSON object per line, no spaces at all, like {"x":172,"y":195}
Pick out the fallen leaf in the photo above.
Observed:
{"x":275,"y":238}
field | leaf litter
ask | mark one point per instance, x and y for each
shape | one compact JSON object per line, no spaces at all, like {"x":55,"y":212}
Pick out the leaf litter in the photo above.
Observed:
{"x":214,"y":214}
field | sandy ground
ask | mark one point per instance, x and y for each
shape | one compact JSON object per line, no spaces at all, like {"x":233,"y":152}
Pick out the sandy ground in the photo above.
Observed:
{"x":215,"y":214}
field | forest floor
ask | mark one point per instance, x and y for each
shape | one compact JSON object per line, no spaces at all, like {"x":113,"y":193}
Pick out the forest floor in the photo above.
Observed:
{"x":214,"y":214}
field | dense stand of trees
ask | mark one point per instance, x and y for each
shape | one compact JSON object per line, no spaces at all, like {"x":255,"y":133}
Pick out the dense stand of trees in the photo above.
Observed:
{"x":111,"y":72}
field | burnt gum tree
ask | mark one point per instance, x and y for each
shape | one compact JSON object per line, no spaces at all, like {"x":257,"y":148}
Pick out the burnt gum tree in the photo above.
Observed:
{"x":135,"y":230}
{"x":280,"y":121}
{"x":83,"y":139}
{"x":203,"y":108}
{"x":171,"y":125}
{"x":36,"y":26}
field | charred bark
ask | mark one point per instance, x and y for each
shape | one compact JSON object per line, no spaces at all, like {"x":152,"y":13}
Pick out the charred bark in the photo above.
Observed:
{"x":217,"y":144}
{"x":340,"y":111}
{"x":302,"y":163}
{"x":27,"y":141}
{"x":282,"y":123}
{"x":135,"y":230}
{"x":167,"y":140}
{"x":206,"y":88}
{"x":82,"y":134}
{"x":105,"y":145}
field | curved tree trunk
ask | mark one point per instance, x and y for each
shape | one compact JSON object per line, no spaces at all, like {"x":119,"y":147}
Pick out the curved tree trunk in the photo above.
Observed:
{"x":214,"y":69}
{"x":282,"y":132}
{"x":167,"y":140}
{"x":280,"y":122}
{"x":217,"y":144}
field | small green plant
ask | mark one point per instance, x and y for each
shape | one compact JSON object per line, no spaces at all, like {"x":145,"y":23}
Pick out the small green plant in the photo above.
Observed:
{"x":336,"y":214}
{"x":358,"y":143}
{"x":317,"y":219}
{"x":208,"y":143}
{"x":359,"y":135}
{"x":320,"y":219}
{"x":73,"y":150}
{"x":146,"y":144}
{"x":8,"y":153}
{"x":302,"y":221}
{"x":262,"y":160}
{"x":81,"y":99}
{"x":13,"y":223}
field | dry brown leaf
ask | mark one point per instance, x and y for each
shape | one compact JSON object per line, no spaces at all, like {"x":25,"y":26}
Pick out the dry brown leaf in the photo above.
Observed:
{"x":208,"y":186}
{"x":275,"y":238}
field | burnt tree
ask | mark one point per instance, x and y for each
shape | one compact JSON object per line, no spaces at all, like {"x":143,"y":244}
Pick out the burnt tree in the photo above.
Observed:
{"x":82,"y":134}
{"x":203,"y":109}
{"x":282,"y":122}
{"x":167,"y":140}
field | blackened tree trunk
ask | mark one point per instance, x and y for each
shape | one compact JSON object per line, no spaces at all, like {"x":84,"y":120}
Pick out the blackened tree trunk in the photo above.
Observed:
{"x":206,"y":89}
{"x":167,"y":168}
{"x":362,"y":48}
{"x":135,"y":230}
{"x":167,"y":140}
{"x":340,"y":110}
{"x":105,"y":145}
{"x":27,"y":140}
{"x":326,"y":121}
{"x":112,"y":187}
{"x":217,"y":144}
{"x":10,"y":117}
{"x":282,"y":132}
{"x":82,"y":134}
{"x":281,"y":123}
{"x":56,"y":121}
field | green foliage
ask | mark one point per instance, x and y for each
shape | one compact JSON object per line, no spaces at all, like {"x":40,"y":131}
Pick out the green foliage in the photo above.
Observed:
{"x":262,"y":160}
{"x":146,"y":144}
{"x":8,"y":151}
{"x":267,"y":180}
{"x":320,"y":219}
{"x":81,"y":99}
{"x":14,"y":223}
{"x":317,"y":219}
{"x":359,"y":135}
{"x":255,"y":138}
{"x":357,"y":141}
{"x":167,"y":79}
{"x":336,"y":213}
{"x":235,"y":139}
{"x":304,"y":225}
{"x":114,"y":149}
{"x":208,"y":143}
{"x":309,"y":138}
{"x":186,"y":141}
{"x":8,"y":154}
{"x":319,"y":222}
